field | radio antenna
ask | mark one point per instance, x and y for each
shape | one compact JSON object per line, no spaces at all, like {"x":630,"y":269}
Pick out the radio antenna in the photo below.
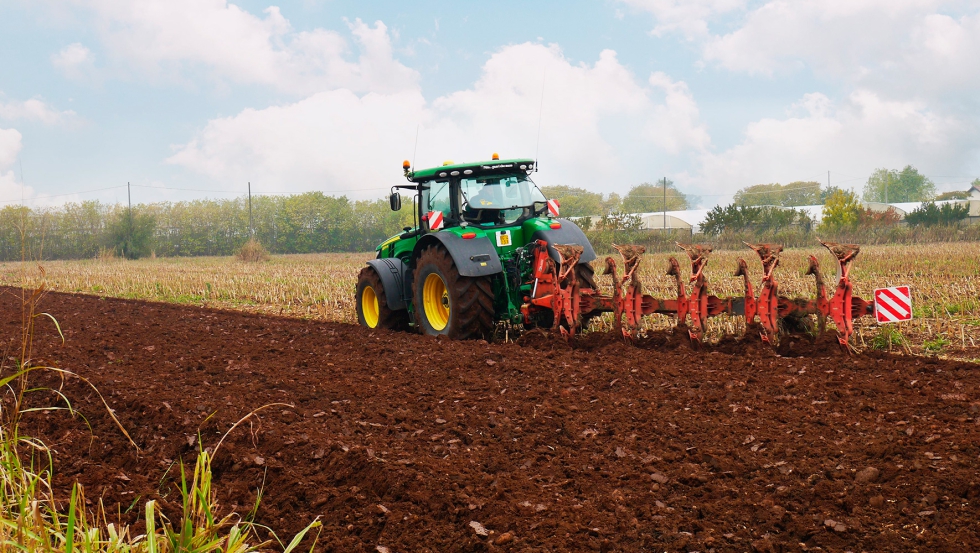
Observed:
{"x":537,"y":147}
{"x":415,"y":151}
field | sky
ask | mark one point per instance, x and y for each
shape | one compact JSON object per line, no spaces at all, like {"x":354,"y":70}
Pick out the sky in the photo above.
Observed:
{"x":190,"y":99}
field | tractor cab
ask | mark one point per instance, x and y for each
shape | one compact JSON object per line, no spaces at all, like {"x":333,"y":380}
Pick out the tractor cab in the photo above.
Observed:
{"x":483,"y":194}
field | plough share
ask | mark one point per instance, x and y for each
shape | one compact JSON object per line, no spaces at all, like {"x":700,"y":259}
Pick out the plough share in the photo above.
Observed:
{"x":557,"y":287}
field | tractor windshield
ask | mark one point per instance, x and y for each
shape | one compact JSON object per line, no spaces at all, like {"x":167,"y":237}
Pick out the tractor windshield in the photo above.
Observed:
{"x":498,"y":199}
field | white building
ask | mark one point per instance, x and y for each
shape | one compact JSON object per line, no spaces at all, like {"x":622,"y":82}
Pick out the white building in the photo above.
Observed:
{"x":691,"y":220}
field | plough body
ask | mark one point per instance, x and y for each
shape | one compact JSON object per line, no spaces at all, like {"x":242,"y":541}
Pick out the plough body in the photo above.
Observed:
{"x":556,"y":288}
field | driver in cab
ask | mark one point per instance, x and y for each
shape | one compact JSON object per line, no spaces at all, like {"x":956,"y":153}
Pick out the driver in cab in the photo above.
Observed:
{"x":488,"y":198}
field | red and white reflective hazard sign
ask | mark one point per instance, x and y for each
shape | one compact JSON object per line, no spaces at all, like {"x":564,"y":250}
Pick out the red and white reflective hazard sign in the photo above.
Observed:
{"x":435,"y":220}
{"x":893,"y":304}
{"x":553,"y":206}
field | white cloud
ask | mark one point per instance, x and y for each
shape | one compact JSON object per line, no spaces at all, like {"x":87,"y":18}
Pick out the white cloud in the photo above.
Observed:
{"x":340,"y":142}
{"x":34,"y":110}
{"x":847,"y":38}
{"x":502,"y":109}
{"x":902,"y":46}
{"x":688,"y":17}
{"x":853,"y":138}
{"x":76,"y":61}
{"x":905,"y":75}
{"x":169,"y":38}
{"x":676,"y":124}
{"x":333,"y":141}
{"x":943,"y":55}
{"x":10,"y":145}
{"x":12,"y":190}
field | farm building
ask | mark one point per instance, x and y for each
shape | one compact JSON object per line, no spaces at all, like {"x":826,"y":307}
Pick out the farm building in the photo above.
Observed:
{"x":689,"y":220}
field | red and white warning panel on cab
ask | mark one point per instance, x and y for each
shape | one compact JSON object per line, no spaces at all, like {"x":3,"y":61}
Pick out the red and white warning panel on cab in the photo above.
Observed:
{"x":435,"y":220}
{"x":553,"y":206}
{"x":893,"y":304}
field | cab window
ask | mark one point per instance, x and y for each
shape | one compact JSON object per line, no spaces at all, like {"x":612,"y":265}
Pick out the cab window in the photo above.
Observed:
{"x":493,"y":200}
{"x":436,"y":198}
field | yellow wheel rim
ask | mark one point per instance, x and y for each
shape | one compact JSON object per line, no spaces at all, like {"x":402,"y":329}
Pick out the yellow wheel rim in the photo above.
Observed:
{"x":370,"y":307}
{"x":435,"y":302}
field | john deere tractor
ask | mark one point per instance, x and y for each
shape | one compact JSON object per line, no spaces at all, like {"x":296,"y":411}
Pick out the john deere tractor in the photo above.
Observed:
{"x":487,"y":247}
{"x":482,"y":251}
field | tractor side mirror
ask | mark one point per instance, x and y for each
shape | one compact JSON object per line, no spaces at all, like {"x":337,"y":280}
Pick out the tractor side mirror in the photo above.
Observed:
{"x":395,"y":201}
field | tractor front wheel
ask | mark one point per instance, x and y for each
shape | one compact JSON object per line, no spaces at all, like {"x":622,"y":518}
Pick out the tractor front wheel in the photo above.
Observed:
{"x":450,"y":304}
{"x":372,"y":304}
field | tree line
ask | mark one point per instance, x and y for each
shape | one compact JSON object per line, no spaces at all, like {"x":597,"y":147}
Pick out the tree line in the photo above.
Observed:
{"x":642,"y":198}
{"x":314,"y":222}
{"x":301,"y":223}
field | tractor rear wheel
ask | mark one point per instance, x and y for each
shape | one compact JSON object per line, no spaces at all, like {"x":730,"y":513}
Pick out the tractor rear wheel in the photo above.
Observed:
{"x":447,"y":303}
{"x":372,"y":304}
{"x":586,"y":279}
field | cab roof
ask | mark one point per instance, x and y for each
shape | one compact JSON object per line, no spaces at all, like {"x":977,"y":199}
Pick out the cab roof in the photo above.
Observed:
{"x":477,"y":167}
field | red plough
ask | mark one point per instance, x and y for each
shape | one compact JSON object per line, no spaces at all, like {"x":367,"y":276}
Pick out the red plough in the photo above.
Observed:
{"x":558,"y":288}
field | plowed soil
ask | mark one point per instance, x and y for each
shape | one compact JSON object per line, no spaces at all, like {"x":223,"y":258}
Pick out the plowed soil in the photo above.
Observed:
{"x":418,"y":444}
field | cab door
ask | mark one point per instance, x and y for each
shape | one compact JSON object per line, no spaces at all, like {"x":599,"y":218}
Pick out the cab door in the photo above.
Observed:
{"x":437,"y":196}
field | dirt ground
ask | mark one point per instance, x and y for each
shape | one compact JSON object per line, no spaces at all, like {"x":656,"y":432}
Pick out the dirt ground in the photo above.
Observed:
{"x":418,"y":444}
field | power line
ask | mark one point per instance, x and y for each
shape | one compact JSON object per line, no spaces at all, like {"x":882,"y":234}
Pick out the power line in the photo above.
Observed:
{"x":189,"y":189}
{"x":243,"y":191}
{"x":45,"y":197}
{"x":784,"y":190}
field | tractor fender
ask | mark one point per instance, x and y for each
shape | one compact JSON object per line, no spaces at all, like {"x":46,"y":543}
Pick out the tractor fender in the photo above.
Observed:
{"x":569,"y":233}
{"x":393,"y":273}
{"x":474,"y":257}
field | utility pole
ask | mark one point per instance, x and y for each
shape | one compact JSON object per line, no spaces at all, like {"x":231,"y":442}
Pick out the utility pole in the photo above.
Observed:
{"x":251,"y":228}
{"x":129,"y":198}
{"x":665,"y":204}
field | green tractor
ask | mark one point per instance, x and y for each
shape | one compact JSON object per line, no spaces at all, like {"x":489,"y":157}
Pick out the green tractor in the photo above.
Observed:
{"x":482,"y":251}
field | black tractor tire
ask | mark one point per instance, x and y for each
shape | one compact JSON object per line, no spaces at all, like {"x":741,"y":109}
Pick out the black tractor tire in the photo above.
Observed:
{"x":586,"y":279}
{"x":379,"y":315}
{"x":586,"y":276}
{"x":466,"y":310}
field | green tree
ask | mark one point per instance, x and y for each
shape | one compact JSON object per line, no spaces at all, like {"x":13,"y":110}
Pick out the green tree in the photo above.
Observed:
{"x":828,"y":192}
{"x":575,"y":202}
{"x":732,"y":217}
{"x":759,"y":194}
{"x":929,"y":215}
{"x":612,"y":204}
{"x":619,"y":221}
{"x":735,"y":218}
{"x":131,"y":233}
{"x":841,"y":211}
{"x":892,"y":186}
{"x":801,"y":193}
{"x":793,"y":194}
{"x":953,"y":195}
{"x":646,"y":198}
